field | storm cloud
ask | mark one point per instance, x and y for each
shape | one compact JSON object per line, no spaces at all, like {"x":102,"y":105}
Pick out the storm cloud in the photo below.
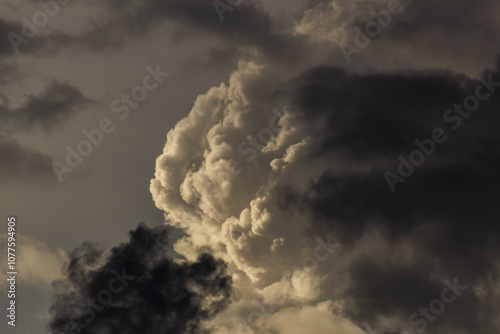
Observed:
{"x":138,"y":289}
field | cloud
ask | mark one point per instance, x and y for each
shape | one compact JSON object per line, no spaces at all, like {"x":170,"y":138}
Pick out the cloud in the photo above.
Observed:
{"x":39,"y":264}
{"x":146,"y":292}
{"x":22,"y":163}
{"x":247,"y":26}
{"x":311,"y":319}
{"x":424,"y":34}
{"x":256,"y":188}
{"x":5,"y":29}
{"x":454,"y":35}
{"x":44,"y":112}
{"x":57,"y":103}
{"x":259,"y":201}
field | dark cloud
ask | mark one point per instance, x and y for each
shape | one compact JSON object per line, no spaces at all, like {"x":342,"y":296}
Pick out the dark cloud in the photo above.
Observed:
{"x":398,"y":291}
{"x":57,"y":103}
{"x":159,"y":294}
{"x":446,"y":208}
{"x":379,"y":117}
{"x":247,"y":25}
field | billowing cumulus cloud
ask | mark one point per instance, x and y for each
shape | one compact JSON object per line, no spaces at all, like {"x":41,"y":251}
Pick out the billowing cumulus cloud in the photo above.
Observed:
{"x":261,"y":169}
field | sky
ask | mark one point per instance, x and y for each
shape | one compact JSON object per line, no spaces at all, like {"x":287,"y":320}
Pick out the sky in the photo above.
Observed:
{"x":236,"y":166}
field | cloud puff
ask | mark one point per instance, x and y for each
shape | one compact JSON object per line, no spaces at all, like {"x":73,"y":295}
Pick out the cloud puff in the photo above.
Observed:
{"x":38,"y":264}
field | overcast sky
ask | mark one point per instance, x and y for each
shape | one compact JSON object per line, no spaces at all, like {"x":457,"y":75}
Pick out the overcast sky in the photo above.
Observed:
{"x":286,"y":166}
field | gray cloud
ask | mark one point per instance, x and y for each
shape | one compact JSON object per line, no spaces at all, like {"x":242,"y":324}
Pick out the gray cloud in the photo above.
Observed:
{"x":248,"y":26}
{"x":5,"y":44}
{"x":56,"y":104}
{"x":21,"y":163}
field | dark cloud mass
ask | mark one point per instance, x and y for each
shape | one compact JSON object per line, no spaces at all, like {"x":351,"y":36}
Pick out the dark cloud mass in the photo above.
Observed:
{"x":159,"y":295}
{"x":447,"y":208}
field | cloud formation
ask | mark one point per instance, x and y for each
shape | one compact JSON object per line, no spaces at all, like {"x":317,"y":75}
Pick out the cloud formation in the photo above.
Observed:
{"x":259,"y":201}
{"x":256,"y":188}
{"x":138,"y":289}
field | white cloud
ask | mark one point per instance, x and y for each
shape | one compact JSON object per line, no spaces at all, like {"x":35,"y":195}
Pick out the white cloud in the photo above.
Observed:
{"x":236,"y":211}
{"x":36,"y":263}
